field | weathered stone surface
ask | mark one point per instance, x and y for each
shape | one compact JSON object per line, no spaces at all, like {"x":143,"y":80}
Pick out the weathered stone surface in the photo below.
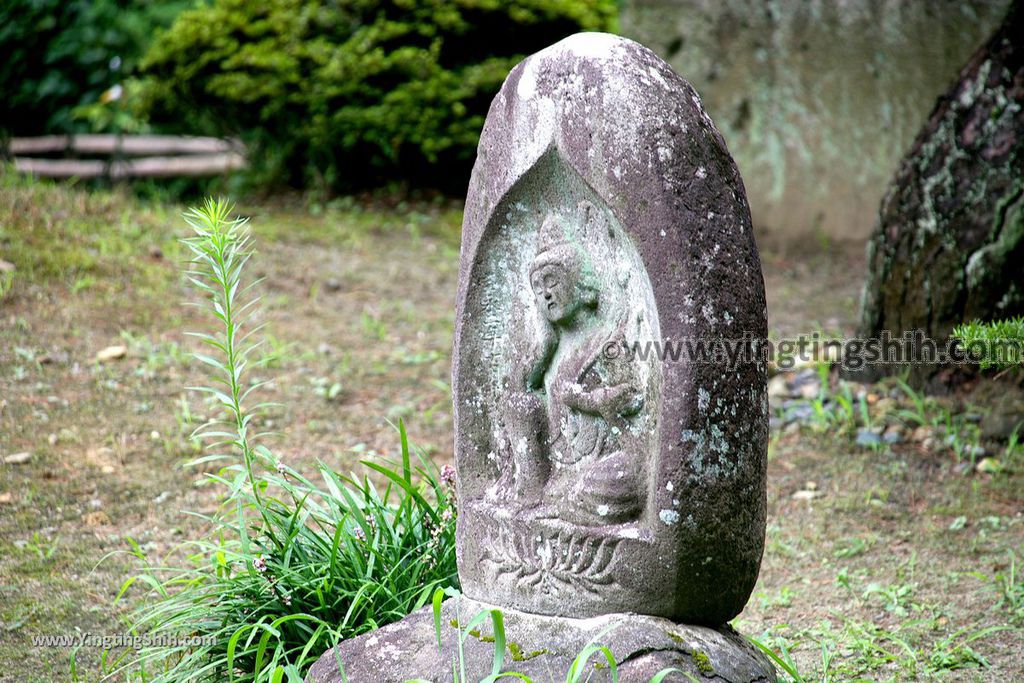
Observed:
{"x":818,"y":100}
{"x":543,"y":648}
{"x":949,"y":240}
{"x":1002,"y":407}
{"x":605,"y":210}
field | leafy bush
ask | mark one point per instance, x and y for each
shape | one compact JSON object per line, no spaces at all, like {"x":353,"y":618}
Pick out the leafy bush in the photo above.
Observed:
{"x":352,"y":92}
{"x":289,"y":565}
{"x":60,"y":54}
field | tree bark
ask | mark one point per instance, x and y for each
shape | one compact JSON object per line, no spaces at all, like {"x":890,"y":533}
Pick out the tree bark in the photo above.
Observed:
{"x":949,"y":243}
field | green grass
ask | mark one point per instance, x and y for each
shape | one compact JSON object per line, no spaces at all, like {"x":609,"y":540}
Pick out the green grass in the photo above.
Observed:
{"x":84,"y":280}
{"x":842,"y":408}
{"x":852,"y":650}
{"x":1007,"y":583}
{"x":84,"y":240}
{"x":289,"y":565}
{"x":827,"y":553}
{"x":362,"y":219}
{"x":960,"y":433}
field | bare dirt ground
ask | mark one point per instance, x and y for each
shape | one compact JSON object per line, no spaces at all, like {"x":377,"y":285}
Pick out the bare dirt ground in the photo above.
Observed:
{"x":884,"y":566}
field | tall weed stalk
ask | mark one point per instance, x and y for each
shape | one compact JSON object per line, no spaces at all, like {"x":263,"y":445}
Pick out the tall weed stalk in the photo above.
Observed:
{"x":287,"y":565}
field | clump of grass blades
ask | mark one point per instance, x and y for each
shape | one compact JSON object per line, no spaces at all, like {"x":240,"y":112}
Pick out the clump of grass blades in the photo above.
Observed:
{"x":289,"y":565}
{"x":995,"y":344}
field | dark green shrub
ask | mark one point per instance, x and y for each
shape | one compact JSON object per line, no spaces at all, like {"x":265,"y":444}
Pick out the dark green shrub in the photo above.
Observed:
{"x":350,"y":93}
{"x":60,"y":54}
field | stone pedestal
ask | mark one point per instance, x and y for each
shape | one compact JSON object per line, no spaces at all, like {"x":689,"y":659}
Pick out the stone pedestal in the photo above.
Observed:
{"x":542,"y":648}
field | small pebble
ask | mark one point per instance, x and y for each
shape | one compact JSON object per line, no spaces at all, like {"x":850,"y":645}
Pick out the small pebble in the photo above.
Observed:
{"x":988,"y":466}
{"x":867,"y":437}
{"x":17,"y":458}
{"x":892,"y":435}
{"x":112,"y":353}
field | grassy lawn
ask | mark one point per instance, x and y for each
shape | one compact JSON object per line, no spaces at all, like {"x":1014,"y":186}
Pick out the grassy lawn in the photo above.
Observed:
{"x":886,"y":563}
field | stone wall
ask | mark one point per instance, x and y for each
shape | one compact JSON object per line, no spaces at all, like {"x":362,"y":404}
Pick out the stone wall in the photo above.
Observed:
{"x":817,"y":100}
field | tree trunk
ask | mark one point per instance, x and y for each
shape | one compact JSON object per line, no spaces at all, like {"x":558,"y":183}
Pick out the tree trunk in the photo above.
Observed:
{"x":949,"y":243}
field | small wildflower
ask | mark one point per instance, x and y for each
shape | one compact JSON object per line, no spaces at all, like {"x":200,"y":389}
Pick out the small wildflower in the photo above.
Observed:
{"x":287,"y":600}
{"x":447,"y":515}
{"x":359,"y":534}
{"x":448,"y":476}
{"x":259,"y":564}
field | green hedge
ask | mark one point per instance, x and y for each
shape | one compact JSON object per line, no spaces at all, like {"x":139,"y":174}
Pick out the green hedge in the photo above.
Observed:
{"x":352,"y":93}
{"x":60,"y":54}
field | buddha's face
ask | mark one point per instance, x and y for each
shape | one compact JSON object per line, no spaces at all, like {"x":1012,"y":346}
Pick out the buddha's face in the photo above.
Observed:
{"x":555,"y":291}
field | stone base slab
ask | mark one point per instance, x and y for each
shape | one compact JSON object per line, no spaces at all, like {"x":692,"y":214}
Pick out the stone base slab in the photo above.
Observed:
{"x":543,"y":648}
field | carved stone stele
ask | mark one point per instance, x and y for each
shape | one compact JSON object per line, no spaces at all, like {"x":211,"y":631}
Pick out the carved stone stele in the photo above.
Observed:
{"x":611,"y":469}
{"x":602,"y":467}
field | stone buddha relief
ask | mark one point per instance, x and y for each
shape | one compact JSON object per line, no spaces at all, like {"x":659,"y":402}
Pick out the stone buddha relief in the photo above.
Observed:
{"x":595,"y":486}
{"x":572,"y":443}
{"x":561,"y":419}
{"x":604,"y":214}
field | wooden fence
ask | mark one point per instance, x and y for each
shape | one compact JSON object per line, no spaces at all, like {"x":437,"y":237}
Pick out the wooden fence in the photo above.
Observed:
{"x":129,"y":156}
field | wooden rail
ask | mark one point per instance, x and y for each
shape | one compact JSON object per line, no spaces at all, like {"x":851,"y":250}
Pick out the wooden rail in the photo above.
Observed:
{"x":157,"y":156}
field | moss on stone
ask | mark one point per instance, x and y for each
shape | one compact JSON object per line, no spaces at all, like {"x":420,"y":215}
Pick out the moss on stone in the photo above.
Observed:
{"x":676,"y":637}
{"x":518,"y":655}
{"x":702,"y":662}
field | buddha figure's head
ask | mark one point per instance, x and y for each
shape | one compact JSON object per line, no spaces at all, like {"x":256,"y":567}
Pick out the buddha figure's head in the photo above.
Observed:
{"x":560,"y":275}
